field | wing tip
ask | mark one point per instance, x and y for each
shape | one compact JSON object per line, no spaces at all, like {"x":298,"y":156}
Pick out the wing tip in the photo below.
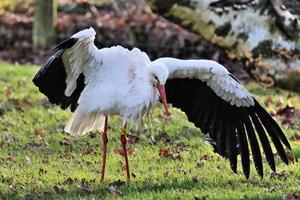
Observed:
{"x":85,"y":33}
{"x":274,"y":130}
{"x":66,"y":44}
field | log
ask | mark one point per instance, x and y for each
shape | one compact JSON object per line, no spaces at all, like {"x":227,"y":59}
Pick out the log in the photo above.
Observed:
{"x":263,"y":34}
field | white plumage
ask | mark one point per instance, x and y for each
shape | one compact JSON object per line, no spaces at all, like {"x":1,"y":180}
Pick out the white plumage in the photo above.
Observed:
{"x":118,"y":81}
{"x":97,"y":83}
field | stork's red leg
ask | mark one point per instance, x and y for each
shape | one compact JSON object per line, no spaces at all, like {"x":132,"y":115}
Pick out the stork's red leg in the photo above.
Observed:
{"x":105,"y":141}
{"x":124,"y":142}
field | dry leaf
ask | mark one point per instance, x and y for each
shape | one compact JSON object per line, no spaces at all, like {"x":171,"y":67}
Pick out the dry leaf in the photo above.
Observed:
{"x":65,"y":141}
{"x":120,"y":152}
{"x":295,"y":137}
{"x":113,"y":190}
{"x":84,"y":185}
{"x":287,"y":115}
{"x":290,"y":197}
{"x":279,"y":175}
{"x":59,"y":189}
{"x":196,"y":179}
{"x":13,"y":187}
{"x":39,"y":132}
{"x":68,"y":181}
{"x":165,"y":152}
{"x":117,"y":183}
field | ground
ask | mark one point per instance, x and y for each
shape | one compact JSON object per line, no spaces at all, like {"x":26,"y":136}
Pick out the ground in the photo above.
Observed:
{"x":168,"y":158}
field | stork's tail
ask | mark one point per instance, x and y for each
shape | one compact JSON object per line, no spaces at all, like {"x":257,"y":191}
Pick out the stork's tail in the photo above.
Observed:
{"x":80,"y":124}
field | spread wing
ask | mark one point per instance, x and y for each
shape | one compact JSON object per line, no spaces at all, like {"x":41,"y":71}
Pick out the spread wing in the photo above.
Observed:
{"x":62,"y":77}
{"x":221,"y":107}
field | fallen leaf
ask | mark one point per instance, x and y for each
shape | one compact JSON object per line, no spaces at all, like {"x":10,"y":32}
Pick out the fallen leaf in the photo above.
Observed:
{"x":117,"y":183}
{"x":45,"y":103}
{"x":13,"y":187}
{"x":33,"y":144}
{"x":287,"y":114}
{"x":42,"y":171}
{"x":279,"y":175}
{"x":290,"y":197}
{"x":291,"y":157}
{"x":206,"y":157}
{"x":68,"y":181}
{"x":199,"y":164}
{"x":59,"y":189}
{"x":269,"y":101}
{"x":171,"y":152}
{"x":65,"y":141}
{"x":114,"y":191}
{"x":39,"y":132}
{"x":10,"y":158}
{"x":8,"y":137}
{"x":68,"y":150}
{"x":152,"y":140}
{"x":271,"y":188}
{"x":26,"y":101}
{"x":295,"y":137}
{"x":8,"y":90}
{"x":119,"y":151}
{"x":290,"y":95}
{"x":183,"y":171}
{"x":163,"y":137}
{"x":196,"y":179}
{"x":279,"y":103}
{"x":133,"y":139}
{"x":133,"y":175}
{"x":165,"y":152}
{"x":15,"y":103}
{"x":88,"y":150}
{"x":84,"y":185}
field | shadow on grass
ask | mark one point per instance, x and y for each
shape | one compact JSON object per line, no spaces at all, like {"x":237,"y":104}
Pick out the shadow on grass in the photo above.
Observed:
{"x":131,"y":189}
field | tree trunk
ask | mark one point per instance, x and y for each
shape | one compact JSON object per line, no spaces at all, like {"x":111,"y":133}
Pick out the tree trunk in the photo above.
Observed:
{"x":45,"y":15}
{"x":262,"y":34}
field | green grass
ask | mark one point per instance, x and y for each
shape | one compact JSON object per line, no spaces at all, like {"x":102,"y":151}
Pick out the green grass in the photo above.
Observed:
{"x":52,"y":165}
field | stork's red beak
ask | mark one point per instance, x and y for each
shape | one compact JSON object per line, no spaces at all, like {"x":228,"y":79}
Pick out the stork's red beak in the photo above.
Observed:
{"x":162,"y":93}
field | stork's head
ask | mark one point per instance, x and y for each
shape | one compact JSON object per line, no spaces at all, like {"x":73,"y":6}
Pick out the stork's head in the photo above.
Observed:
{"x":158,"y":76}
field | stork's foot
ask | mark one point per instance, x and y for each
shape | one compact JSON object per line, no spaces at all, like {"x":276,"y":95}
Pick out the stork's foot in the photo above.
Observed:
{"x":124,"y":142}
{"x":166,"y":115}
{"x":105,"y":141}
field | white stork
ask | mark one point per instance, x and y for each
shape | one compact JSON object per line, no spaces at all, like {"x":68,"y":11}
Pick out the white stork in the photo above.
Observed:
{"x":98,"y":83}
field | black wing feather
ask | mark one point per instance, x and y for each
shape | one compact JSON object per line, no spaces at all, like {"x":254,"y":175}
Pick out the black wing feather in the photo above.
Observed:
{"x":51,"y":78}
{"x":244,"y":149}
{"x":231,"y":144}
{"x":264,"y":114}
{"x":256,"y":154}
{"x":228,"y":125}
{"x":274,"y":136}
{"x":264,"y":141}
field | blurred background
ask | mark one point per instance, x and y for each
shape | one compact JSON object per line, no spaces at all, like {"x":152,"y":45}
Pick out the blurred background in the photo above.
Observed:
{"x":255,"y":39}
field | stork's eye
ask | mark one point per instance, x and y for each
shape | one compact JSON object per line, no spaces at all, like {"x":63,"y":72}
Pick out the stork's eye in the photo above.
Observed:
{"x":155,"y":80}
